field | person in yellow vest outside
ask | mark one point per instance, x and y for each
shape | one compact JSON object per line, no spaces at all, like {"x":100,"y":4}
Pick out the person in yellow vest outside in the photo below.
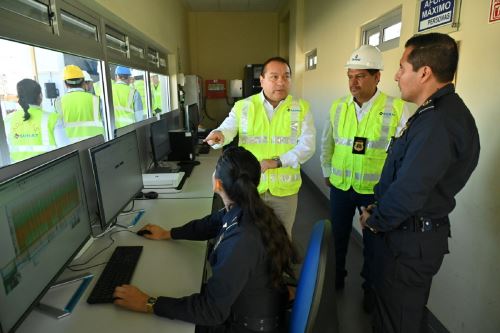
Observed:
{"x":79,"y":108}
{"x":279,"y":130}
{"x":156,"y":93}
{"x":88,"y":83}
{"x":32,"y":131}
{"x":138,"y":84}
{"x":353,"y":150}
{"x":126,"y":100}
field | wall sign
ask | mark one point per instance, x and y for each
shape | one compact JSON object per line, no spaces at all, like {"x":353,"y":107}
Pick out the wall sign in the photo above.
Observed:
{"x":494,"y":11}
{"x":436,"y":13}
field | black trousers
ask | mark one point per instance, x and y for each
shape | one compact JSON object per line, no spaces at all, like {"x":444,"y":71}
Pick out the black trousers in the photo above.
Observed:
{"x":404,"y":265}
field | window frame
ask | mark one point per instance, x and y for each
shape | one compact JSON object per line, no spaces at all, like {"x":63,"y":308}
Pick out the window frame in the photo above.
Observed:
{"x":379,"y":25}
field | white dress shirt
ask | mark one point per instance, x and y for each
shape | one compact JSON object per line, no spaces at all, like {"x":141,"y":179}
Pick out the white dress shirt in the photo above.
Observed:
{"x":303,"y":150}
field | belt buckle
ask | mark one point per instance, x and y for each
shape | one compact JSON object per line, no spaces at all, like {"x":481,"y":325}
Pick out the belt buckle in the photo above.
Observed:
{"x":426,"y":224}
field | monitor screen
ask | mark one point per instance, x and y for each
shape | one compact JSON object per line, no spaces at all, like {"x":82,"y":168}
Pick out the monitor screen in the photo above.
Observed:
{"x":43,"y":223}
{"x":160,"y":142}
{"x":193,"y":119}
{"x":118,"y":175}
{"x":83,"y":146}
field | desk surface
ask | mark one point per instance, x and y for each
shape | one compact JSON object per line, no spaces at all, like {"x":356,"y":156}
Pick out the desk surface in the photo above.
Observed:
{"x":169,"y":268}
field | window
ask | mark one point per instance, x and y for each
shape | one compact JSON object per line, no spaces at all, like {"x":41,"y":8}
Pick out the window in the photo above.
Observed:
{"x":46,"y":67}
{"x":311,"y":60}
{"x":383,"y":32}
{"x":79,"y":26}
{"x":160,"y":97}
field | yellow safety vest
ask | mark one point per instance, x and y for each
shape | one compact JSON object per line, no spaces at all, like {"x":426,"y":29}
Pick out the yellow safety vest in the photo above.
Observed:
{"x":80,"y":111}
{"x":141,"y":88}
{"x":123,"y":102}
{"x":268,"y":139}
{"x":362,"y":171}
{"x":32,"y":137}
{"x":156,"y":97}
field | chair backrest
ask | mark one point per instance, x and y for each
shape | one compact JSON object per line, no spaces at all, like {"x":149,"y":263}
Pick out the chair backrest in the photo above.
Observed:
{"x":315,"y":306}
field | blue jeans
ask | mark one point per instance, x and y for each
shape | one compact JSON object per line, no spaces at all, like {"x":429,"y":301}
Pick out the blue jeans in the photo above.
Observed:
{"x":343,"y":205}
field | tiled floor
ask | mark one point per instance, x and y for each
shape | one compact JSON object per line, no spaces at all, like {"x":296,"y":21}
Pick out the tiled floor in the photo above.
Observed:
{"x":311,"y":208}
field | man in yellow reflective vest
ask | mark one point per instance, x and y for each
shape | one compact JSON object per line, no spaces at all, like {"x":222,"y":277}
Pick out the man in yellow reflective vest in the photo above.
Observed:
{"x":353,"y":150}
{"x":126,"y":99}
{"x":156,"y":93}
{"x":79,"y":108}
{"x":279,"y":130}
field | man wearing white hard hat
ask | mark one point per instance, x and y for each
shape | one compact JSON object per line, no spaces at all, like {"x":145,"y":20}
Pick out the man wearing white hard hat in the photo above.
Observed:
{"x":353,"y":150}
{"x":88,"y":83}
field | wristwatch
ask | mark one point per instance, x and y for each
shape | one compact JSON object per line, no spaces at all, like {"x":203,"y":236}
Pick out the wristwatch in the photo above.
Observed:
{"x":277,"y":159}
{"x":150,"y":304}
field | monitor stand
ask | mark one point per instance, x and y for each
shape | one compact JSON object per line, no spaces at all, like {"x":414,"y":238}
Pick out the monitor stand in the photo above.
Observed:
{"x":58,"y":294}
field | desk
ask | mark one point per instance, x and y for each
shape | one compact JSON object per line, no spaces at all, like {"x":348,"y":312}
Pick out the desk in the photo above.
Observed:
{"x":169,"y":268}
{"x":199,"y":183}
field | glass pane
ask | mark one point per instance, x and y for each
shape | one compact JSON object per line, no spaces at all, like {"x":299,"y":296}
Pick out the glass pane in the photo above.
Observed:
{"x":393,"y":31}
{"x":152,"y":56}
{"x":160,"y":93}
{"x":78,"y":26}
{"x":29,"y":8}
{"x":374,"y":39}
{"x":129,"y":93}
{"x":46,"y":90}
{"x":116,"y":44}
{"x":136,"y":51}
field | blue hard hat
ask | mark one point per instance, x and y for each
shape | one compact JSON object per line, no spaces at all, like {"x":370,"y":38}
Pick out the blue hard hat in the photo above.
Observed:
{"x":122,"y":70}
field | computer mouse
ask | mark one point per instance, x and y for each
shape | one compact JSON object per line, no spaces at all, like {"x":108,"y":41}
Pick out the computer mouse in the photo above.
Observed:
{"x":151,"y":195}
{"x":143,"y":232}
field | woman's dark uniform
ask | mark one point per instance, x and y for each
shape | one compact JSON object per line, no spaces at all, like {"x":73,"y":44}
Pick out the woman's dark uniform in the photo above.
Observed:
{"x":239,"y":294}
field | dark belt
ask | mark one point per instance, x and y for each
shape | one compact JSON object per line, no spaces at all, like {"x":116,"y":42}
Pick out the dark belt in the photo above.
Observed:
{"x":263,"y":324}
{"x":423,"y":224}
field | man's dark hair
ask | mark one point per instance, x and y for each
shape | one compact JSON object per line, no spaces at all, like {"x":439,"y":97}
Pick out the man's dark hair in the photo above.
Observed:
{"x":372,"y":71}
{"x":436,"y":50}
{"x":278,"y":59}
{"x":77,"y":83}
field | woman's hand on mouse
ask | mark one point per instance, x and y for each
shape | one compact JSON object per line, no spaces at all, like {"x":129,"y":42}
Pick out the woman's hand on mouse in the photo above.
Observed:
{"x":157,"y":232}
{"x":130,"y":297}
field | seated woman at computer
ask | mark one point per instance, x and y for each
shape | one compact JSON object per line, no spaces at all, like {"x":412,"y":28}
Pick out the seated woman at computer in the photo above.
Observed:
{"x":246,"y":292}
{"x":32,"y":131}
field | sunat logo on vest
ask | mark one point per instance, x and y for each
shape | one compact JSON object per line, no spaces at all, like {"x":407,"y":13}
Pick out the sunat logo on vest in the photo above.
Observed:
{"x":386,"y":114}
{"x":25,"y":136}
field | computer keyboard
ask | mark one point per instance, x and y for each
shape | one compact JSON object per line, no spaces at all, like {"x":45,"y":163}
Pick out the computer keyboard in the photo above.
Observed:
{"x":118,"y":271}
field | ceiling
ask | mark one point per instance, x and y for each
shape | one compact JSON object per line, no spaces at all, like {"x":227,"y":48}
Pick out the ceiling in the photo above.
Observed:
{"x":234,"y":5}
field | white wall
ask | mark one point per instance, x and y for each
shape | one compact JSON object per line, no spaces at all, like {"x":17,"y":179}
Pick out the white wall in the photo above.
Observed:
{"x":466,"y":293}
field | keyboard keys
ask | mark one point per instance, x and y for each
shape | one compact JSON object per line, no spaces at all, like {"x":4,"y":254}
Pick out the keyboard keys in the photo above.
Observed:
{"x":118,"y":271}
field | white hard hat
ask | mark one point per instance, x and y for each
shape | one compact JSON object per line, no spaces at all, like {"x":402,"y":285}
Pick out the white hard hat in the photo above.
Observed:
{"x":87,"y":77}
{"x":366,"y":57}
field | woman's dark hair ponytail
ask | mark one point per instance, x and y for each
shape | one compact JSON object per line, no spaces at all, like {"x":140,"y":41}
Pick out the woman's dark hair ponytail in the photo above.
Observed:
{"x":239,"y":171}
{"x":28,"y":92}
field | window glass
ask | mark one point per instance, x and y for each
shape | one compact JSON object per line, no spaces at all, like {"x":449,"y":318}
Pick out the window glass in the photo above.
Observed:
{"x":78,"y":26}
{"x":160,"y":93}
{"x":28,"y":8}
{"x":374,"y":39}
{"x":394,"y":31}
{"x":129,"y":93}
{"x":60,"y":112}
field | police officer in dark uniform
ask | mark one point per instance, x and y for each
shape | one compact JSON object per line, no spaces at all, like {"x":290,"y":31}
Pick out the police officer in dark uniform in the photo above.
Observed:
{"x":426,"y":167}
{"x":245,"y":292}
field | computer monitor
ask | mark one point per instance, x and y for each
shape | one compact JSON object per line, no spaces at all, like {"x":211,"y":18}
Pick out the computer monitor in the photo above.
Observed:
{"x":83,"y":146}
{"x":118,"y":176}
{"x":43,"y":223}
{"x":160,"y":141}
{"x":143,"y":138}
{"x":193,"y":119}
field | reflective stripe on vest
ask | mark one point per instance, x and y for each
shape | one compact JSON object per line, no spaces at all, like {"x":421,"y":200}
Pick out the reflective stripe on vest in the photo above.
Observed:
{"x":362,"y":171}
{"x":279,"y":136}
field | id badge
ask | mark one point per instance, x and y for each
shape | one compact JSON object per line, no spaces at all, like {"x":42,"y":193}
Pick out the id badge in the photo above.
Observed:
{"x":359,"y":145}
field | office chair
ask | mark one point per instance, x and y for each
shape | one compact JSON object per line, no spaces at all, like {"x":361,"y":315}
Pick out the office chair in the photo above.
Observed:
{"x":315,"y":306}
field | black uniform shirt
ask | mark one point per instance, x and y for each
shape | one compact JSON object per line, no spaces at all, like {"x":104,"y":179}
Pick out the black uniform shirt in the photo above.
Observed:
{"x":428,"y":164}
{"x":240,"y":281}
